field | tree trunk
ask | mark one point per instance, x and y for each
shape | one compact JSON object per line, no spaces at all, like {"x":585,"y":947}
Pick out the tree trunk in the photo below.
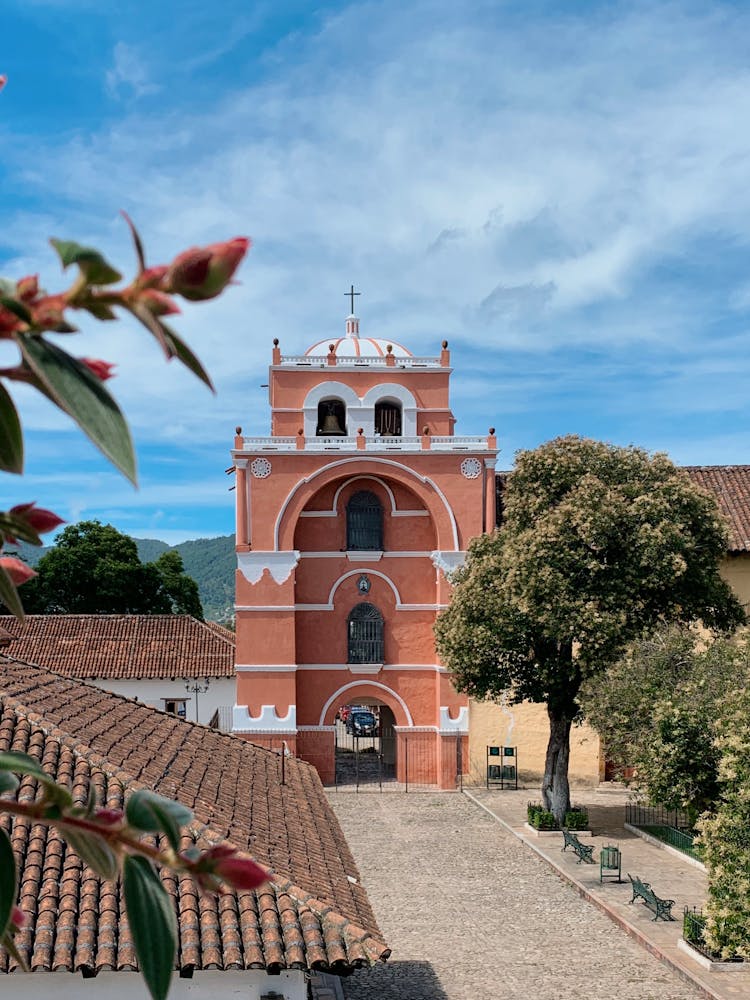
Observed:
{"x":555,"y":786}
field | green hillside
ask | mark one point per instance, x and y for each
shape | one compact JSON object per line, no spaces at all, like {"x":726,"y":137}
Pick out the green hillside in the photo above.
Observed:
{"x":210,"y":561}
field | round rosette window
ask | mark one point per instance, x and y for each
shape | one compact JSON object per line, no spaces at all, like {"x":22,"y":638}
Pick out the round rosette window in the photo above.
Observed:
{"x":260,"y":468}
{"x":471,"y":468}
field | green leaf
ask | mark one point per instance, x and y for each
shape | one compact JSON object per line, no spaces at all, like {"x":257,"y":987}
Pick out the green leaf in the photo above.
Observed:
{"x":21,"y":763}
{"x":152,"y":924}
{"x":17,"y":308}
{"x":11,"y":436}
{"x":95,"y":852}
{"x":16,"y":527}
{"x":8,"y":887}
{"x":77,"y":391}
{"x":95,"y":268}
{"x":153,"y":814}
{"x":9,"y":596}
{"x":181,"y":351}
{"x":100,"y":310}
{"x":8,"y":782}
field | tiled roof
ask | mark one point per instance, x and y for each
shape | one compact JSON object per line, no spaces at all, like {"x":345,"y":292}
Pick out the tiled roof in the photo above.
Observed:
{"x":136,"y":647}
{"x":313,"y":914}
{"x":730,"y":484}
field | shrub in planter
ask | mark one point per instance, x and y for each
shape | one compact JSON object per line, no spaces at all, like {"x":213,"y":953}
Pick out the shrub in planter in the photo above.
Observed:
{"x":576,"y":818}
{"x":539,"y":817}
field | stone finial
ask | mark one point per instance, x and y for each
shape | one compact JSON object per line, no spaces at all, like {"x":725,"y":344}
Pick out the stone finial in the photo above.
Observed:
{"x":238,"y":430}
{"x":360,"y":430}
{"x":444,"y":345}
{"x":492,"y":430}
{"x":275,"y":341}
{"x":389,"y":348}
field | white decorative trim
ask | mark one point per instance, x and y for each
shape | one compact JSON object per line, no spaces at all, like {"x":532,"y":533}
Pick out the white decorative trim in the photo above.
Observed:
{"x":353,"y":479}
{"x":261,"y":668}
{"x":338,"y":554}
{"x":267,"y":722}
{"x":387,"y":391}
{"x":318,"y":513}
{"x":326,"y":390}
{"x":410,"y":513}
{"x":458,"y":726}
{"x":316,"y":729}
{"x":471,"y":468}
{"x":355,"y":572}
{"x":240,"y":463}
{"x":490,"y":463}
{"x":347,"y":687}
{"x":421,"y":607}
{"x":279,"y":564}
{"x":448,"y":562}
{"x":265,"y":607}
{"x":364,"y":555}
{"x":365,"y":668}
{"x":416,"y":729}
{"x":425,"y":480}
{"x":314,"y":607}
{"x":387,"y":666}
{"x":260,"y":468}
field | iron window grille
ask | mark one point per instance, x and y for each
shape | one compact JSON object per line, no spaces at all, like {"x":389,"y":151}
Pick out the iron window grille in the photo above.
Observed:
{"x":364,"y":522}
{"x":365,"y":635}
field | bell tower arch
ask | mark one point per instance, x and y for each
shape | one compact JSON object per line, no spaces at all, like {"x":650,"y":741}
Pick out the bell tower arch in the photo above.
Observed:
{"x":350,"y":517}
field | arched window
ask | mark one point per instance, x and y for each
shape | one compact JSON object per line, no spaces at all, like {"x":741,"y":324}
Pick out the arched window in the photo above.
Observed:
{"x":331,"y":418}
{"x":365,"y":635}
{"x":364,"y":522}
{"x":388,"y":419}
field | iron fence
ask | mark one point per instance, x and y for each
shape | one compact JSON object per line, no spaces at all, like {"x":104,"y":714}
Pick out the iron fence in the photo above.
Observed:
{"x":670,"y":826}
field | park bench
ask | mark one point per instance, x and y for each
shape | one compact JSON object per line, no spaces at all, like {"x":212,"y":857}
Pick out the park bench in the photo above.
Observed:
{"x":661,"y":907}
{"x":584,"y":851}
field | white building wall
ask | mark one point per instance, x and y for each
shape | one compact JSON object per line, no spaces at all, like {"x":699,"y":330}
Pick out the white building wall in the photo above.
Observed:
{"x":249,"y":985}
{"x":221,"y":693}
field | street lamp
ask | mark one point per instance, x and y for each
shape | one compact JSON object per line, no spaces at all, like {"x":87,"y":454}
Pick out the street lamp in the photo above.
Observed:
{"x":197,"y":688}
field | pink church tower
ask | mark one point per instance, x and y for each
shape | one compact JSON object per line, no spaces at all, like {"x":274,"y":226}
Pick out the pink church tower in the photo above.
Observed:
{"x":350,"y":517}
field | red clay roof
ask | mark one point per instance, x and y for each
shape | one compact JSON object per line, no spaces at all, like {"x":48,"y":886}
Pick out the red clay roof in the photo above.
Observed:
{"x":314,"y":914}
{"x":730,"y":484}
{"x":134,"y":647}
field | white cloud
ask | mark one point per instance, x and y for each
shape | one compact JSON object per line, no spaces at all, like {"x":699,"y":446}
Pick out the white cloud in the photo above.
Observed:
{"x":128,"y":75}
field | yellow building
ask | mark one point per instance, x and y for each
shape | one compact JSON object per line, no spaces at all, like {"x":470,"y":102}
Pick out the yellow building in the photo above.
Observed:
{"x":525,"y":726}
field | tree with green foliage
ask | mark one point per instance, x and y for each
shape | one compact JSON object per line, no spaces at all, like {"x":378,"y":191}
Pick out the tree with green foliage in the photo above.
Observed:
{"x":724,"y":840}
{"x":94,"y":569}
{"x":599,"y":545}
{"x":656,"y":710}
{"x":180,"y":589}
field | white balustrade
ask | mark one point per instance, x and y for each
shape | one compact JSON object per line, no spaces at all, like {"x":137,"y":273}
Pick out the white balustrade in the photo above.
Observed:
{"x":441,"y":443}
{"x":269,"y":443}
{"x":321,"y":361}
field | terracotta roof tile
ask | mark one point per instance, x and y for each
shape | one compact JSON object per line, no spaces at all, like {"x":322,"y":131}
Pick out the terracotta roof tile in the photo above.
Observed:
{"x":729,"y":484}
{"x":309,"y":916}
{"x":121,"y":646}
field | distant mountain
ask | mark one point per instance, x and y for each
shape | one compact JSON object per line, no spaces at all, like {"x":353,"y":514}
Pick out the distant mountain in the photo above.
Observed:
{"x":210,"y":561}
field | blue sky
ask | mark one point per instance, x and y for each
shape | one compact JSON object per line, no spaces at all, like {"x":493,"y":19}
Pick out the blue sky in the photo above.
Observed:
{"x":560,"y":190}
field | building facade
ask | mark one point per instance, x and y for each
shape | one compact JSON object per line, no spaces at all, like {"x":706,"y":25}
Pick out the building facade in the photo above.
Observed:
{"x":350,"y":516}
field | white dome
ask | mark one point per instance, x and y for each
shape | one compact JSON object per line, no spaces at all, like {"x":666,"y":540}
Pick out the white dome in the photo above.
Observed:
{"x":358,"y":347}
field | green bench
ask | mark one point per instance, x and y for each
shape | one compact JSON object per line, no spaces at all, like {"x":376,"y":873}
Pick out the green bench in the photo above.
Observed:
{"x":584,"y":851}
{"x":642,"y":890}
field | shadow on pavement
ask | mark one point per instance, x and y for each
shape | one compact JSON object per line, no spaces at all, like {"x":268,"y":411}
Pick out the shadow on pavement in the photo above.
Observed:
{"x":395,"y":981}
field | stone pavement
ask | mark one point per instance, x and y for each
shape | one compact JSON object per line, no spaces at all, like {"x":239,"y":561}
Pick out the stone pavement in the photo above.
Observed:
{"x":472,"y":913}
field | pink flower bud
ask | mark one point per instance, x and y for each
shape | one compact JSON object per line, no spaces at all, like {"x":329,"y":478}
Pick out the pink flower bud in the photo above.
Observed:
{"x":152,"y":277}
{"x":242,"y":873}
{"x":17,"y":917}
{"x":102,"y":369}
{"x":38,"y":518}
{"x":203,"y":272}
{"x":9,"y":322}
{"x":158,"y":303}
{"x":27,"y":288}
{"x":108,"y":817}
{"x":47,"y":312}
{"x":18,"y":571}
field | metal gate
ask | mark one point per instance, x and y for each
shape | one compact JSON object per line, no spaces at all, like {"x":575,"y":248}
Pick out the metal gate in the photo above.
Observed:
{"x":386,"y":762}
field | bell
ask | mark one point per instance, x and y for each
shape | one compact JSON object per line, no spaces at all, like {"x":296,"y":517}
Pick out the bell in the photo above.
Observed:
{"x":331,"y":425}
